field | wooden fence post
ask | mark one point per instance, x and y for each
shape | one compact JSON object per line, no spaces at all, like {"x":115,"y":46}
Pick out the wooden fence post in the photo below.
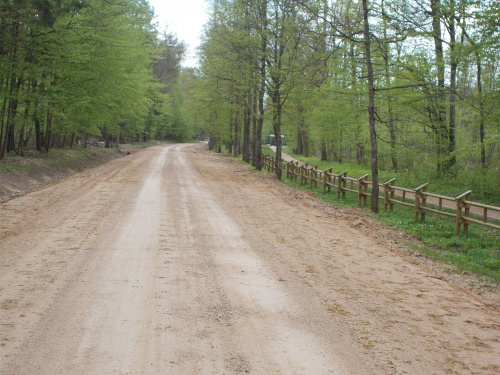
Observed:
{"x":389,"y":194}
{"x":418,"y":198}
{"x":303,"y":171}
{"x":327,"y":178}
{"x":459,"y":215}
{"x":460,"y":203}
{"x":362,"y":189}
{"x":341,"y":184}
{"x":423,"y":202}
{"x":467,"y":210}
{"x":313,"y":176}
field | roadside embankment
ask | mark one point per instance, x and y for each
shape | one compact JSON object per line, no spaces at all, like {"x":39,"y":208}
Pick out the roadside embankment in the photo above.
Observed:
{"x":19,"y":175}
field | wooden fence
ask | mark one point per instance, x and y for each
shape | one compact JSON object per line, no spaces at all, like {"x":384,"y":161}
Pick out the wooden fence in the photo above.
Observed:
{"x":419,"y":198}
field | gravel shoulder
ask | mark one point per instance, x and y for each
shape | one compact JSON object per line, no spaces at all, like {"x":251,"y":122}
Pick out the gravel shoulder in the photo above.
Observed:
{"x":175,"y":260}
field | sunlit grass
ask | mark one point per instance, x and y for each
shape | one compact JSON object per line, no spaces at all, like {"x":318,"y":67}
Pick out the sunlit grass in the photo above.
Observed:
{"x":483,"y":183}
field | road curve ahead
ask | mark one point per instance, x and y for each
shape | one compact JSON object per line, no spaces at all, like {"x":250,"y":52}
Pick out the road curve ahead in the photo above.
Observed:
{"x":174,"y":260}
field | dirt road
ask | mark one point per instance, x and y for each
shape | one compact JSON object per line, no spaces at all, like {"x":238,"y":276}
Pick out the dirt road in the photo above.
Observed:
{"x":177,"y":261}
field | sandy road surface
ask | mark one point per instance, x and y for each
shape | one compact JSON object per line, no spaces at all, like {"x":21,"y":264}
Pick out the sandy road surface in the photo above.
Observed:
{"x":177,"y":261}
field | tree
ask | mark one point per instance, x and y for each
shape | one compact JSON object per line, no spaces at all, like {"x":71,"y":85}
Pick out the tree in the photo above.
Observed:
{"x":324,"y":65}
{"x":371,"y":109}
{"x":72,"y":69}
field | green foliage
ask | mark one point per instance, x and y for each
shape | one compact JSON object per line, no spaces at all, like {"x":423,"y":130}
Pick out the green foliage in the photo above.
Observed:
{"x":168,"y":117}
{"x":228,"y":62}
{"x":83,"y":70}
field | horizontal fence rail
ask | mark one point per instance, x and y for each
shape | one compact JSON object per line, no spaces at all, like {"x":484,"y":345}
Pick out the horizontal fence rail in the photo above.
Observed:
{"x":419,"y":198}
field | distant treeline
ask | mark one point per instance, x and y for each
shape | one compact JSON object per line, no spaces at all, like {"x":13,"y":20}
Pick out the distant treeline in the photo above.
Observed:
{"x":75,"y":69}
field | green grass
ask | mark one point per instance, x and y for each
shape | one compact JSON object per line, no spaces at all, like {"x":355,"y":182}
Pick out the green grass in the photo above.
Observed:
{"x":267,"y":151}
{"x":476,"y":251}
{"x":483,"y":183}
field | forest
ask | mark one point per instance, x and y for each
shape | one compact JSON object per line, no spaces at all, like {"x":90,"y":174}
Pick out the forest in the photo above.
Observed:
{"x":80,"y":71}
{"x":397,"y":85}
{"x":394,"y":84}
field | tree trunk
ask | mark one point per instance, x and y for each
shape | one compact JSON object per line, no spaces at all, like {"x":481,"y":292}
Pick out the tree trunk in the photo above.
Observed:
{"x":38,"y":133}
{"x":453,"y":86}
{"x":324,"y":156}
{"x":2,"y":143}
{"x":231,"y":131}
{"x":9,"y":126}
{"x":277,"y":126}
{"x":262,"y":88}
{"x":20,"y":145}
{"x":246,"y":129}
{"x":302,"y":138}
{"x":28,"y":137}
{"x":236,"y":126}
{"x":391,"y":125}
{"x":26,"y":116}
{"x":11,"y":114}
{"x":212,"y":142}
{"x":48,"y":132}
{"x":480,"y":94}
{"x":360,"y":150}
{"x":255,"y":142}
{"x":107,"y":138}
{"x":276,"y":79}
{"x":481,"y":111}
{"x":300,"y":146}
{"x":340,"y":143}
{"x":36,"y":120}
{"x":440,"y":113}
{"x":305,"y":140}
{"x":2,"y":112}
{"x":371,"y":110}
